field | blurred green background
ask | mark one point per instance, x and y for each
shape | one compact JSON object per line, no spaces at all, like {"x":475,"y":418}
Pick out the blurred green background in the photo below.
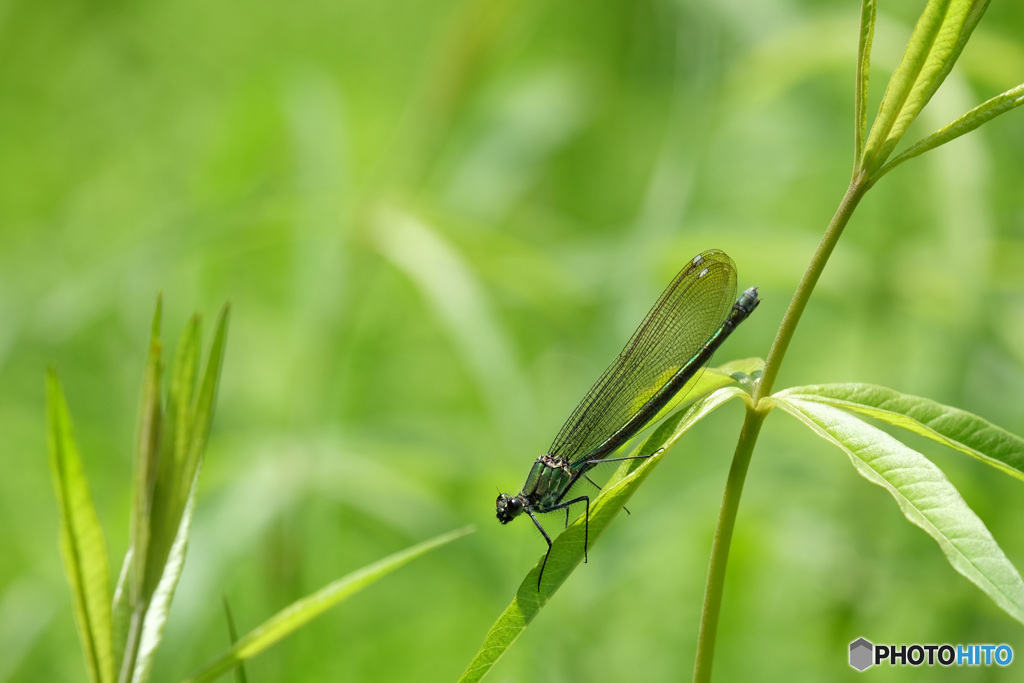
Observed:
{"x":436,"y":223}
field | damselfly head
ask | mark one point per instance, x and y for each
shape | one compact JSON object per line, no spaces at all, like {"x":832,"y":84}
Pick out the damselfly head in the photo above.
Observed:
{"x":748,"y":301}
{"x":509,"y":507}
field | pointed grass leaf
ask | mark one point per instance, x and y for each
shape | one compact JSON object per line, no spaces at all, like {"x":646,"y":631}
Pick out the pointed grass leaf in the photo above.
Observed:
{"x":743,"y":372}
{"x":129,"y":592}
{"x":952,"y":427}
{"x":202,"y":408}
{"x":240,"y":676}
{"x":183,"y":427}
{"x":938,"y":38}
{"x":170,"y":488}
{"x":693,"y":410}
{"x":183,"y":436}
{"x":924,"y":494}
{"x":121,"y":612}
{"x":153,"y":614}
{"x":302,"y":611}
{"x":147,"y":458}
{"x":567,"y":548}
{"x":81,"y":539}
{"x":981,"y":114}
{"x":860,"y":106}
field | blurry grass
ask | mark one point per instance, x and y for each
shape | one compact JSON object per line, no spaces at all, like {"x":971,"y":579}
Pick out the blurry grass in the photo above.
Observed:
{"x":243,"y":152}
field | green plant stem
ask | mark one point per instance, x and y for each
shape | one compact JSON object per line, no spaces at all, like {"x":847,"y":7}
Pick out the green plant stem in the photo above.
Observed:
{"x":720,"y":549}
{"x":854,"y":193}
{"x":752,"y":427}
{"x":131,"y":651}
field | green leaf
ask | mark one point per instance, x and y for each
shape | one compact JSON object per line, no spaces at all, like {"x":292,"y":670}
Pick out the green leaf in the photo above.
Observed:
{"x":81,"y":539}
{"x":743,"y":371}
{"x":240,"y":676}
{"x":153,"y":614}
{"x":171,"y":487}
{"x":567,"y":548}
{"x":952,"y":427}
{"x":201,"y":411}
{"x":983,"y":113}
{"x":302,"y":611}
{"x":147,"y":458}
{"x":924,"y":495}
{"x":122,"y":609}
{"x":182,"y":432}
{"x":940,"y":35}
{"x":186,"y":426}
{"x":860,"y":106}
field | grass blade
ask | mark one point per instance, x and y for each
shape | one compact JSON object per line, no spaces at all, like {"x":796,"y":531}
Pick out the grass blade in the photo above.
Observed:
{"x":170,"y":488}
{"x":240,"y":676}
{"x":298,"y":613}
{"x":156,"y":610}
{"x":567,"y":548}
{"x":860,"y":105}
{"x":924,"y":494}
{"x":182,"y":433}
{"x":938,"y":38}
{"x":81,"y":539}
{"x":983,"y":113}
{"x":147,"y":457}
{"x":201,"y":411}
{"x":952,"y":427}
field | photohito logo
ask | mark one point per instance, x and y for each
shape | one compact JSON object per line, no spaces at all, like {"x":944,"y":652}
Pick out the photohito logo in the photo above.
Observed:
{"x":864,"y":653}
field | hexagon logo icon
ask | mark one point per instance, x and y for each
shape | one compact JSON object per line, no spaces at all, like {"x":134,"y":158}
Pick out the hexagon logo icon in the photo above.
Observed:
{"x":861,"y":654}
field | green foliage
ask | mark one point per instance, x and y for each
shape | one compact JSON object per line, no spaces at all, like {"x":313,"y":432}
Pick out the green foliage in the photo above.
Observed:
{"x":938,"y":39}
{"x":567,"y":550}
{"x":171,"y":445}
{"x":949,"y":426}
{"x":81,"y":539}
{"x":436,"y":226}
{"x":299,"y":613}
{"x":923,"y":492}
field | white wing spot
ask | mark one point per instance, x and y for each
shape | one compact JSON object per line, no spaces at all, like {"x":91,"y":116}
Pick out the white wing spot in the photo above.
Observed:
{"x":702,"y":273}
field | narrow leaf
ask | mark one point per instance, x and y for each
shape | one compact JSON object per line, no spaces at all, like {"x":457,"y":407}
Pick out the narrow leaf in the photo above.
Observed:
{"x":184,"y":371}
{"x":567,"y":548}
{"x":147,"y":457}
{"x":170,"y":488}
{"x":240,"y":676}
{"x":965,"y":124}
{"x":122,"y":610}
{"x":952,"y":427}
{"x":184,"y":430}
{"x":201,"y":412}
{"x":924,"y":495}
{"x":81,"y":539}
{"x":302,"y":611}
{"x":961,"y":20}
{"x":939,"y":37}
{"x":158,"y":607}
{"x":860,"y":106}
{"x":710,"y":380}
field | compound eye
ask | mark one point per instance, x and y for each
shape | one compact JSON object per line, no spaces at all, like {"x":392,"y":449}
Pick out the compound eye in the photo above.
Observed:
{"x":508,"y":507}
